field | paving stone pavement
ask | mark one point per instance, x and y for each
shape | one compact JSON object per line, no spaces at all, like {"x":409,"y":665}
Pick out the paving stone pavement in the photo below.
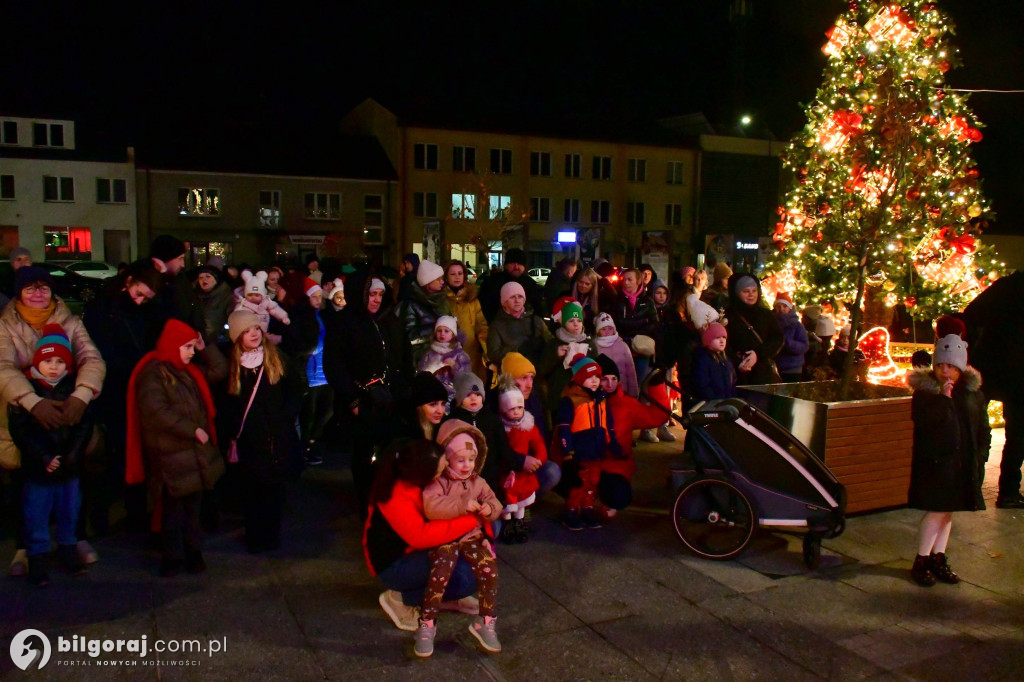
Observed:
{"x":626,"y":602}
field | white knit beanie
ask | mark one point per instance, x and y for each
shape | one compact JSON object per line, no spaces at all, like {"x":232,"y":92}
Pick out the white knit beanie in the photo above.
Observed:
{"x":428,"y":272}
{"x":254,"y":284}
{"x":511,"y":397}
{"x":951,"y":350}
{"x":603,"y":320}
{"x":449,"y":322}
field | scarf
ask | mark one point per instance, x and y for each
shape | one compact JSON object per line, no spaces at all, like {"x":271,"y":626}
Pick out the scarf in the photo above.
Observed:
{"x":33,"y":373}
{"x":175,"y":335}
{"x":564,"y":336}
{"x":631,"y":297}
{"x":524,"y":423}
{"x":251,"y":359}
{"x":444,"y":348}
{"x":35,"y":317}
{"x":452,"y":476}
{"x":607,"y":341}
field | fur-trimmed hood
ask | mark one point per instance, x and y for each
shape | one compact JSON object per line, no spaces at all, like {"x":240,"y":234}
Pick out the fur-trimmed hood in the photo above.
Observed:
{"x":454,"y":427}
{"x":467,"y":294}
{"x":924,"y":380}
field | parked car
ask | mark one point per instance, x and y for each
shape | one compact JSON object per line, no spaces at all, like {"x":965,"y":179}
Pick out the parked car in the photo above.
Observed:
{"x":539,"y":275}
{"x":471,"y":274}
{"x":72,"y":287}
{"x":92,"y":268}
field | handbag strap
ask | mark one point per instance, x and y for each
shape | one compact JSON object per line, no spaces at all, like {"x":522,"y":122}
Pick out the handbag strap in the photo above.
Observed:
{"x":252,"y":396}
{"x":751,"y":328}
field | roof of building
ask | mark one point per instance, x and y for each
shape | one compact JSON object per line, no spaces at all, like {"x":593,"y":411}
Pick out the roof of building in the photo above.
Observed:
{"x":299,"y":152}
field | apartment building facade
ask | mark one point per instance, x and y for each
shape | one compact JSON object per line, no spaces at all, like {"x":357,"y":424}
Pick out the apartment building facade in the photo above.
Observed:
{"x":63,"y":195}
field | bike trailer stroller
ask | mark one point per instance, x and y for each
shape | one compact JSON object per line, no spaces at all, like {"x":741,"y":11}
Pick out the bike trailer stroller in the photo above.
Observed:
{"x":741,"y":470}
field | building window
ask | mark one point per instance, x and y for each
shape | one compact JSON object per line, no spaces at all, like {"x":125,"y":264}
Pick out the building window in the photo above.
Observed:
{"x":270,"y":208}
{"x":6,"y":186}
{"x":67,"y":242}
{"x":636,"y":213}
{"x":424,"y":204}
{"x":58,"y":189}
{"x":572,"y":211}
{"x":573,"y":163}
{"x":323,"y":206}
{"x":198,"y":201}
{"x":601,"y":211}
{"x":501,"y":161}
{"x":540,"y":163}
{"x":464,"y":159}
{"x":464,"y":206}
{"x":540,"y":209}
{"x":424,"y":156}
{"x":111,"y":191}
{"x":373,"y":219}
{"x":637,"y":170}
{"x":47,"y":134}
{"x":674,"y":214}
{"x":499,"y":206}
{"x":675,"y":173}
{"x":602,"y":168}
{"x":9,"y":132}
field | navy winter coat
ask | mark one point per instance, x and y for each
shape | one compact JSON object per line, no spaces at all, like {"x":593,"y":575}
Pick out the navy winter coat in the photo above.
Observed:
{"x":790,"y":359}
{"x":712,"y":377}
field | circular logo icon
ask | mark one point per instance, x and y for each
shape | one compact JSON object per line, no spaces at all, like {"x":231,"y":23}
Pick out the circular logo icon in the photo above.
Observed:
{"x":30,"y":649}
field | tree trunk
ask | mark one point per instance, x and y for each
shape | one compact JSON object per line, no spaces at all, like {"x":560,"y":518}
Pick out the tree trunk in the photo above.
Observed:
{"x":847,"y":376}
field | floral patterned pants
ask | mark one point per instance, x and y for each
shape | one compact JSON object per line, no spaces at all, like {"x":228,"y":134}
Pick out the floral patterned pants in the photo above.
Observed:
{"x":442,"y":563}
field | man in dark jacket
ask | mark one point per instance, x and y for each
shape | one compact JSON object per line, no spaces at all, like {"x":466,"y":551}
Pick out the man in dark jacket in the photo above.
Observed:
{"x":515,"y":271}
{"x":368,"y":363}
{"x":178,"y":299}
{"x":559,"y":283}
{"x":995,"y":330}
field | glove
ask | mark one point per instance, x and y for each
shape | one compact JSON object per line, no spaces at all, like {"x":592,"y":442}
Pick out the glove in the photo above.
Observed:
{"x":48,"y":414}
{"x":73,"y":409}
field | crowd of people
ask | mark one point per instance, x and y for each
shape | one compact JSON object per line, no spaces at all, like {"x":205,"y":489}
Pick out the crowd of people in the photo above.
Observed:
{"x":457,"y":404}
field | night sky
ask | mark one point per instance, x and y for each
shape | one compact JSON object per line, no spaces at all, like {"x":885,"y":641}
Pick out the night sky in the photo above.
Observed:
{"x":156,"y":71}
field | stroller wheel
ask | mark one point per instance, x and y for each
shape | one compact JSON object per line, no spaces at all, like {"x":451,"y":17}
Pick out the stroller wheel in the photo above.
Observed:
{"x":812,"y":551}
{"x":713,"y":518}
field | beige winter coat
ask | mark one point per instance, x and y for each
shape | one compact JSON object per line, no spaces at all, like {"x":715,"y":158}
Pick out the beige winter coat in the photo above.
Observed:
{"x":17,"y":346}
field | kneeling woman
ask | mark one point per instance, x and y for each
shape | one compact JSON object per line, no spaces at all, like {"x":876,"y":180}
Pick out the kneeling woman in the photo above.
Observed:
{"x":398,"y":535}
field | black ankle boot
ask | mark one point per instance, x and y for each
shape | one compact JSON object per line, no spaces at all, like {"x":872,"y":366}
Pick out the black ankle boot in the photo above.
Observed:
{"x":921,"y":571}
{"x":940,"y":567}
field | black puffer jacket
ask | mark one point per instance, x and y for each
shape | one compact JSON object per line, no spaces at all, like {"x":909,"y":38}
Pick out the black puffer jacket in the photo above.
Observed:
{"x":39,"y":445}
{"x":951,"y":443}
{"x":360,"y":346}
{"x":417,"y":314}
{"x":752,"y":327}
{"x":633,"y":320}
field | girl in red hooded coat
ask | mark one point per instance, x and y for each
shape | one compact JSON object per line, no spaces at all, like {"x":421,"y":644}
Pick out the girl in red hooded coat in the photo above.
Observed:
{"x":172,"y":442}
{"x":524,"y":438}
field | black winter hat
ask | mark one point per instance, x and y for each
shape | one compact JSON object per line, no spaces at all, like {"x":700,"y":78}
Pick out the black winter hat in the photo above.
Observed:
{"x":608,"y":366}
{"x":165,"y":248}
{"x":515,"y":256}
{"x":426,"y":388}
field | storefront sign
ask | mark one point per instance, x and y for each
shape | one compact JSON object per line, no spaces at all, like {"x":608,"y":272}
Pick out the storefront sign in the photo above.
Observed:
{"x":306,"y":239}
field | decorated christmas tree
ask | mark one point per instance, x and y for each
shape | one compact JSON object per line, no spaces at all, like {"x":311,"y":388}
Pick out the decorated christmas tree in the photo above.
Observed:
{"x":886,"y":200}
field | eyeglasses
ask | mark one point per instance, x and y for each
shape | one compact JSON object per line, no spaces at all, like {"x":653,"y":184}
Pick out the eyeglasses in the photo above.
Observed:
{"x":37,"y":289}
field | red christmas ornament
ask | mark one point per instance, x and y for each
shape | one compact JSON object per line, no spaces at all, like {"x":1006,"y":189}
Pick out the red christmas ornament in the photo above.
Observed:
{"x":972,"y":173}
{"x":940,"y":95}
{"x":868,"y":108}
{"x":818,"y":236}
{"x":824,"y":208}
{"x":910,"y":301}
{"x":929,"y":120}
{"x":929,"y":41}
{"x":913,"y":194}
{"x":933,"y":212}
{"x":862,"y":60}
{"x":943,"y":66}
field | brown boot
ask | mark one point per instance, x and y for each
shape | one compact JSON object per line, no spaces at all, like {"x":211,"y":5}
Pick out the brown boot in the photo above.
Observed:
{"x":940,"y":568}
{"x":921,"y":572}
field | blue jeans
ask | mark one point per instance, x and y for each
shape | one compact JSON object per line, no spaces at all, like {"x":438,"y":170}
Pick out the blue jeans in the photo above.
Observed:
{"x":41,"y":499}
{"x":409,"y":575}
{"x":548,"y":476}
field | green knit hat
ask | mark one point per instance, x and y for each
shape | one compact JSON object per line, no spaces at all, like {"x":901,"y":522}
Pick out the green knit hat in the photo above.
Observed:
{"x":571,"y":311}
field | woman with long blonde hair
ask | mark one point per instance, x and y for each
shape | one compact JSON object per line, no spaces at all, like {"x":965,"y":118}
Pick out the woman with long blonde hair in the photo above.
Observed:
{"x":264,"y":402}
{"x":584,"y":290}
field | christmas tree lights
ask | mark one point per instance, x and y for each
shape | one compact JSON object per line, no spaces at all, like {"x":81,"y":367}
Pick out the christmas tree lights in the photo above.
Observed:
{"x":887,"y":200}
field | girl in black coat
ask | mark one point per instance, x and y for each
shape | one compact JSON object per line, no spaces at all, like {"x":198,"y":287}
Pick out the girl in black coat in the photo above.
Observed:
{"x":755,"y":337}
{"x":267,"y":442}
{"x":951,"y":443}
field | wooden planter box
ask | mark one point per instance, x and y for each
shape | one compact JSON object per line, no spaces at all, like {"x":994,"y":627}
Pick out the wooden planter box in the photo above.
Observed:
{"x":866,"y":443}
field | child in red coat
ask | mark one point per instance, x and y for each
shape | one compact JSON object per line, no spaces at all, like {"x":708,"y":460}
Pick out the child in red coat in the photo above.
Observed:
{"x":524,"y":438}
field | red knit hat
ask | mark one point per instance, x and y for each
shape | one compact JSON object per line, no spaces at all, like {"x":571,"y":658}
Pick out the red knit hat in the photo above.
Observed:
{"x":947,"y":324}
{"x":175,"y":335}
{"x":54,"y":343}
{"x":583,"y":368}
{"x":784,"y":296}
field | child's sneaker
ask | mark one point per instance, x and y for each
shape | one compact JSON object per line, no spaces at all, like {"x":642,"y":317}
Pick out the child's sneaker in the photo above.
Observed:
{"x":424,"y":641}
{"x":591,"y":519}
{"x":404,"y":617}
{"x":664,"y":435}
{"x":19,"y":564}
{"x":649,"y":436}
{"x":86,"y":553}
{"x":571,"y":520}
{"x":38,"y":574}
{"x":70,"y":560}
{"x":484,"y":630}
